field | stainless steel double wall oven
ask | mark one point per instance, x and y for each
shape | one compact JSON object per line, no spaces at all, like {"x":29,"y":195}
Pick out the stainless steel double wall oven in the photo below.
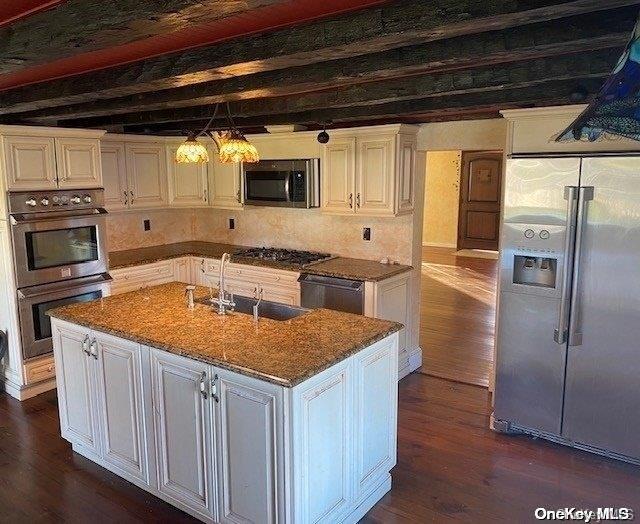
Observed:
{"x":59,"y":254}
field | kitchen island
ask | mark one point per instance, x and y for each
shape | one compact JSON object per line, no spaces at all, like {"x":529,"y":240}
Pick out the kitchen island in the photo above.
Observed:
{"x":230,"y":419}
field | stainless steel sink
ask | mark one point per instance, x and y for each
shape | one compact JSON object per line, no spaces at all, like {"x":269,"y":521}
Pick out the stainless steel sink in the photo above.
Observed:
{"x":266,"y":309}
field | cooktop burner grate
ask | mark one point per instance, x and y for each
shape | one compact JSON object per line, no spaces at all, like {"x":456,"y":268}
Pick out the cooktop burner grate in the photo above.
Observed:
{"x":287,"y":256}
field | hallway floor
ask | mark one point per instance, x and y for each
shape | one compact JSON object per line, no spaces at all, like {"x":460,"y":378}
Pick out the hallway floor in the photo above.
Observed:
{"x":457,"y":315}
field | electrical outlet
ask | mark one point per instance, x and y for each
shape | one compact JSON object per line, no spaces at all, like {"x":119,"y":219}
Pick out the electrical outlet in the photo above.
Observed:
{"x":232,"y":223}
{"x":147,"y":224}
{"x":366,"y":233}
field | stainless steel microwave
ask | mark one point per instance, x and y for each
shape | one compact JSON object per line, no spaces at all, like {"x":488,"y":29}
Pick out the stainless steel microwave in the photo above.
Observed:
{"x":282,"y":183}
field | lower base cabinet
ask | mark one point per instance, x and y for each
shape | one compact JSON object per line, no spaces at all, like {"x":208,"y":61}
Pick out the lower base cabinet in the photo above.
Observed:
{"x":226,"y":447}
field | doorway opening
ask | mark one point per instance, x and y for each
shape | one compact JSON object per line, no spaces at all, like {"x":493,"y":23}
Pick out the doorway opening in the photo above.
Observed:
{"x":460,"y":264}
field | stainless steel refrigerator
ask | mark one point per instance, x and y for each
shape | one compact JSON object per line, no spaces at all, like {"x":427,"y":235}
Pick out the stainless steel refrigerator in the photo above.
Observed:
{"x":568,"y":346}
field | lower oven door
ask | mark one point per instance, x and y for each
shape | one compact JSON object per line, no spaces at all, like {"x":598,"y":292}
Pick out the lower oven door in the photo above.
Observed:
{"x":60,"y":247}
{"x":34,"y":302}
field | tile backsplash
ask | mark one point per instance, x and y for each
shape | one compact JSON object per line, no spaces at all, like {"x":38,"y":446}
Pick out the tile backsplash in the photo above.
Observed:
{"x":262,"y":226}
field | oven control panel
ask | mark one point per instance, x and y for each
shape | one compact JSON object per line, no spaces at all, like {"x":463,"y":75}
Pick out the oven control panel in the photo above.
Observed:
{"x":43,"y":201}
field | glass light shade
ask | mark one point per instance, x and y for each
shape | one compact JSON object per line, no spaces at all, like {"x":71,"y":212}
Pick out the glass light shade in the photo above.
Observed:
{"x":234,"y":147}
{"x":192,"y":152}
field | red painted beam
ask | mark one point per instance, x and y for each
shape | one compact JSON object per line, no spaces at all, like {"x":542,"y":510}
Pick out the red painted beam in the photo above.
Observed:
{"x":256,"y":21}
{"x":12,"y":10}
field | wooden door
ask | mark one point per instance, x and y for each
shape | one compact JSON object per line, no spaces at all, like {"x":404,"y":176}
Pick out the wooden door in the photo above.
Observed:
{"x":75,"y":375}
{"x":250,"y":449}
{"x":114,"y":176}
{"x":147,"y":173}
{"x":480,"y":194}
{"x":187,"y":182}
{"x":78,"y":161}
{"x":183,"y":431}
{"x":122,"y":408}
{"x":338,"y":176}
{"x":375,"y":176}
{"x":30,"y":163}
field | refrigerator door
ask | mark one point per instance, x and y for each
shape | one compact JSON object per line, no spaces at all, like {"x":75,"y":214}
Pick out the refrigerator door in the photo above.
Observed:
{"x":530,"y":364}
{"x":602,"y":395}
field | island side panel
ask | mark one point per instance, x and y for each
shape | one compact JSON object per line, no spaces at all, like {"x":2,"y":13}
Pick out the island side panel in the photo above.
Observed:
{"x":344,"y":431}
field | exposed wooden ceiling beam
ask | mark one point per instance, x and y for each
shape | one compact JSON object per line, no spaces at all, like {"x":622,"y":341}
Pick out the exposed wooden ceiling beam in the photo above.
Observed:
{"x":596,"y":65}
{"x":574,"y":35}
{"x":409,"y":22}
{"x":551,"y":93}
{"x":87,"y":25}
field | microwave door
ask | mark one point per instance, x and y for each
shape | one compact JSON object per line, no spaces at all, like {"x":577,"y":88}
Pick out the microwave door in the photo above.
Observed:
{"x":268,"y":188}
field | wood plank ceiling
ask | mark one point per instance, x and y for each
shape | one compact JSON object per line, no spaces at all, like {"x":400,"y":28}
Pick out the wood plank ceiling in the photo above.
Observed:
{"x":158,"y":67}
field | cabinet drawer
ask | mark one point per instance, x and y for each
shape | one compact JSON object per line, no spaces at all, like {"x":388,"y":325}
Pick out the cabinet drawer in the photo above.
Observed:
{"x":158,"y":270}
{"x":39,"y":370}
{"x":263,"y":275}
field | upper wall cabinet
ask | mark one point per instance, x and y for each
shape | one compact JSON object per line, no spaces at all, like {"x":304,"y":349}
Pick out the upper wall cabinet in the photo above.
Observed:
{"x":369,"y":172}
{"x":39,"y":159}
{"x":224,"y":183}
{"x":146,"y":175}
{"x":114,"y":174}
{"x":78,"y":162}
{"x":188,"y":184}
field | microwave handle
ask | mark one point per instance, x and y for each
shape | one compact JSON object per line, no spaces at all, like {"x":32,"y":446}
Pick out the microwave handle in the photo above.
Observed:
{"x":287,"y":187}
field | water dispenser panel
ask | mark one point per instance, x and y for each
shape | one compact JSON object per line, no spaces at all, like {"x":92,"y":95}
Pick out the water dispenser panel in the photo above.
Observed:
{"x":535,"y":271}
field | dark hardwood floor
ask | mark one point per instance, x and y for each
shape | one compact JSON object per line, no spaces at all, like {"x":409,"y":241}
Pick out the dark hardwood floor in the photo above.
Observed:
{"x":451,"y":467}
{"x":457,"y":315}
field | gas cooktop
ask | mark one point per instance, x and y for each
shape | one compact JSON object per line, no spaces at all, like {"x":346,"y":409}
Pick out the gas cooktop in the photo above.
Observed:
{"x":284,"y":256}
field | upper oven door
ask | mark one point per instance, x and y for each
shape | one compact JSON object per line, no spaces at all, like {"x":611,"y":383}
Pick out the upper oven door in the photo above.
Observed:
{"x":50,"y":249}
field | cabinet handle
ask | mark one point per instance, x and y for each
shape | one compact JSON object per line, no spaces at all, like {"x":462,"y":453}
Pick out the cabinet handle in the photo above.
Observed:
{"x":214,"y":388}
{"x":203,"y":387}
{"x":202,"y":265}
{"x":131,"y":193}
{"x":84,"y":346}
{"x":93,"y":349}
{"x":351,"y":200}
{"x":238,"y":196}
{"x":206,"y":195}
{"x":358,"y":200}
{"x":126,"y":199}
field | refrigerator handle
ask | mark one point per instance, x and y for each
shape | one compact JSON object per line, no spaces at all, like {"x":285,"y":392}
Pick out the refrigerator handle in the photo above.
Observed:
{"x":575,"y":334}
{"x":560,"y":333}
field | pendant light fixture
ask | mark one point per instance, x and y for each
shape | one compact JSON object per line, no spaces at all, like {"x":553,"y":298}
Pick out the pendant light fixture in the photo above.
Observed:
{"x":232,"y":145}
{"x":615,"y":110}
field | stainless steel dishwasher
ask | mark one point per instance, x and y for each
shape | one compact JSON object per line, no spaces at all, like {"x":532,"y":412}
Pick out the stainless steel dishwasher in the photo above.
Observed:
{"x":340,"y":294}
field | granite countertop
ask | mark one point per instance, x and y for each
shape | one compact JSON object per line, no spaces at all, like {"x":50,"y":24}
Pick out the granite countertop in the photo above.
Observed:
{"x":342,"y":267}
{"x":283,"y":352}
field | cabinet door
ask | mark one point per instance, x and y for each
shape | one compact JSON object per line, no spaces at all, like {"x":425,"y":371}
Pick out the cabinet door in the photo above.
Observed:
{"x":375,"y":176}
{"x":30,"y":162}
{"x":75,"y":375}
{"x":183,"y":432}
{"x":243,"y":288}
{"x":114,"y":176}
{"x":393,"y":302}
{"x":338,"y":176}
{"x":375,"y":421}
{"x":187,"y":182}
{"x":78,"y":162}
{"x":182,"y":271}
{"x":406,"y":173}
{"x":283,"y":294}
{"x":122,"y":409}
{"x":225,"y":185}
{"x":250,"y":449}
{"x":146,"y":172}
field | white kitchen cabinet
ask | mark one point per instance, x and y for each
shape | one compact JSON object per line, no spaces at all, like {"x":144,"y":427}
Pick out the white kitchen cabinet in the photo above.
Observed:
{"x":78,"y":163}
{"x":138,"y":277}
{"x":375,"y":180}
{"x":188,"y":185}
{"x":182,"y":270}
{"x":76,"y":378}
{"x":283,"y":294}
{"x":146,"y":174}
{"x":125,"y":441}
{"x":338,"y":175}
{"x":30,"y":162}
{"x":114,"y":175}
{"x":183,"y":432}
{"x":250,"y":436}
{"x":225,"y":184}
{"x":370,"y":172}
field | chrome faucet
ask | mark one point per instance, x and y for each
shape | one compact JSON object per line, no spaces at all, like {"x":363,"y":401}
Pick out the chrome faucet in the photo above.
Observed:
{"x":222,"y":301}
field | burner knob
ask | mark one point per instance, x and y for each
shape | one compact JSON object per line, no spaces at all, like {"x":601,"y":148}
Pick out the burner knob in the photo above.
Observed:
{"x":75,"y":199}
{"x":86,"y":199}
{"x":44,"y":201}
{"x":31,"y":202}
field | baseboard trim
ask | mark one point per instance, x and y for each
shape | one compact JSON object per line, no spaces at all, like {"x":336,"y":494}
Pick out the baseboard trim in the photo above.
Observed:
{"x":439,"y":244}
{"x":26,"y":392}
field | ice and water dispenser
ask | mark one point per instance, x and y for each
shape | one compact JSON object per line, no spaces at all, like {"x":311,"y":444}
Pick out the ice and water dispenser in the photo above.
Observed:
{"x":534,"y":271}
